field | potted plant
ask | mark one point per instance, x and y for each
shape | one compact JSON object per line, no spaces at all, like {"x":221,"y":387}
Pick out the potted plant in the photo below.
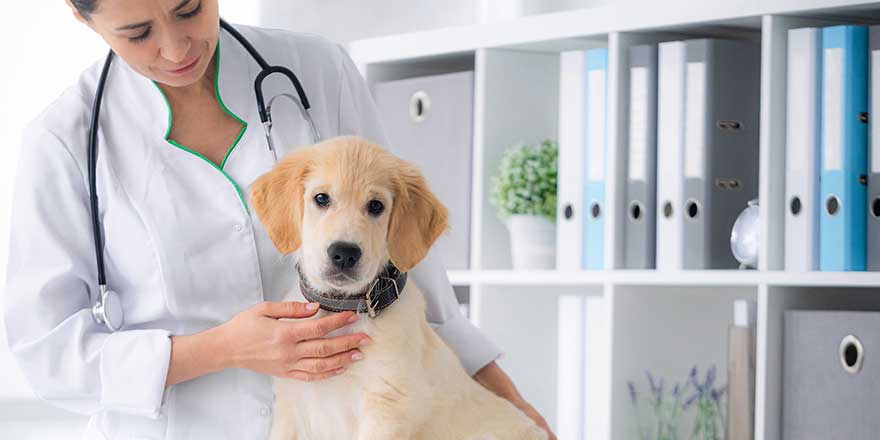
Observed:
{"x":524,"y":192}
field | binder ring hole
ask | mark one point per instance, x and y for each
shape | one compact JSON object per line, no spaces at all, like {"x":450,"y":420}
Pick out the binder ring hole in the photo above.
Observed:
{"x":693,"y":209}
{"x":595,"y":210}
{"x":851,"y":354}
{"x":419,"y":105}
{"x":875,"y":208}
{"x":667,"y":210}
{"x":569,"y":212}
{"x":635,"y":211}
{"x":796,"y":205}
{"x":832,"y":205}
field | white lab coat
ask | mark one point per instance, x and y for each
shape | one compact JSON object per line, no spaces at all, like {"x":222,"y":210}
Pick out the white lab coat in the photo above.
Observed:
{"x":182,"y":247}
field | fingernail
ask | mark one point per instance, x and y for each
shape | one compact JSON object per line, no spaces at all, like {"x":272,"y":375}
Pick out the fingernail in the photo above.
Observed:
{"x":339,"y":371}
{"x":364,"y":342}
{"x":357,"y":356}
{"x":312,"y":306}
{"x":353,"y":318}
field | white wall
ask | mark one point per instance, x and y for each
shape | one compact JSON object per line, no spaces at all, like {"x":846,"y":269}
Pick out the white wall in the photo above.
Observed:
{"x":43,"y":49}
{"x":347,"y":20}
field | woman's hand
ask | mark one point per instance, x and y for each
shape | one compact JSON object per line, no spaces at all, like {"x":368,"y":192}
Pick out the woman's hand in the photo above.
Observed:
{"x":256,"y":340}
{"x":493,"y":378}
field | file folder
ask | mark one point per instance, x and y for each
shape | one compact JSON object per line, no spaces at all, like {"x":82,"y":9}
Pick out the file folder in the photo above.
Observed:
{"x":641,"y":190}
{"x":843,"y":235}
{"x":440,"y":133}
{"x":670,"y":148}
{"x":802,"y":150}
{"x":596,"y":108}
{"x":722,"y":100}
{"x":874,"y":153}
{"x":570,"y":183}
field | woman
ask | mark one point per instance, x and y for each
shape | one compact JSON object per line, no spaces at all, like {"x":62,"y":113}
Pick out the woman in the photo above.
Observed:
{"x":199,"y":280}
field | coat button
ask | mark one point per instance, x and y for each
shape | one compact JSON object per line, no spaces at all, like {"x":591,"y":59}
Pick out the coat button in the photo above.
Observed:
{"x":264,"y":411}
{"x":237,"y":228}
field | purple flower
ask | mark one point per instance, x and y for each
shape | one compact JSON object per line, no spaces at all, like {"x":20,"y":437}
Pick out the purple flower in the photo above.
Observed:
{"x":710,"y":377}
{"x":651,"y":382}
{"x":676,"y":390}
{"x":632,"y":391}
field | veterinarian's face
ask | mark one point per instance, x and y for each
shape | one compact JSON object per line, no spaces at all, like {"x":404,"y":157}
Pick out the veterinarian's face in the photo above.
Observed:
{"x":346,"y":212}
{"x":169,"y":41}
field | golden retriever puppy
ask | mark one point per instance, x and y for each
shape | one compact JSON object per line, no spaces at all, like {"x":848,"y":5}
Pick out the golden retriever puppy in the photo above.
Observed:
{"x":354,"y":208}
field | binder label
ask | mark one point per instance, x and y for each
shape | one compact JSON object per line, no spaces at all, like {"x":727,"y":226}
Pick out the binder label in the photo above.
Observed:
{"x":832,"y":116}
{"x":638,"y":122}
{"x":695,"y":117}
{"x":874,"y":112}
{"x":596,"y":126}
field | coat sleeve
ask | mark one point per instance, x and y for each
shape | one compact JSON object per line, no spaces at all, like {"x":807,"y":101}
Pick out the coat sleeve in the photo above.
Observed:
{"x":358,"y":116}
{"x":69,"y":360}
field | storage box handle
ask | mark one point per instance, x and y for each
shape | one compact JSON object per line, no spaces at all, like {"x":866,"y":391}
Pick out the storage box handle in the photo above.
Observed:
{"x":852,"y":354}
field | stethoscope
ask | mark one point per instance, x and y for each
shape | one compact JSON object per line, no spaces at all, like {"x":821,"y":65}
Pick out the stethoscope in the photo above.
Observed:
{"x":107,"y":310}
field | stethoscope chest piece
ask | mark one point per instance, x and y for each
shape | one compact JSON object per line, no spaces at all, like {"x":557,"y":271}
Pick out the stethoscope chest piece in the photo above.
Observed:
{"x":109,"y":311}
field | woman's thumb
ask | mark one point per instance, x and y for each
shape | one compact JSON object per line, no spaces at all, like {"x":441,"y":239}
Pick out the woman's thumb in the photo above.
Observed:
{"x":288,"y":309}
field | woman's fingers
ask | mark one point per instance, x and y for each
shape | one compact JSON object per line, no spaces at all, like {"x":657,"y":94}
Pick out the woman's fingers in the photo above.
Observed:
{"x":327,"y":364}
{"x":318,"y":328}
{"x":312,"y":377}
{"x":287,"y":309}
{"x":321,"y":348}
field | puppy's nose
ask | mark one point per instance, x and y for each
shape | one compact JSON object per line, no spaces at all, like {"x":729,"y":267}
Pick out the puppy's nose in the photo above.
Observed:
{"x":344,"y":255}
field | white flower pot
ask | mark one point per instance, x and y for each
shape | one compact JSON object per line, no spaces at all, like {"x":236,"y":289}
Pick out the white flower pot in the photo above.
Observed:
{"x":532,"y":242}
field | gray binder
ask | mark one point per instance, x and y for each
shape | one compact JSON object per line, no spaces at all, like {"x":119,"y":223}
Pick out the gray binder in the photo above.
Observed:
{"x":874,"y":152}
{"x":831,"y":380}
{"x":722,"y":101}
{"x":641,"y":189}
{"x":429,"y":122}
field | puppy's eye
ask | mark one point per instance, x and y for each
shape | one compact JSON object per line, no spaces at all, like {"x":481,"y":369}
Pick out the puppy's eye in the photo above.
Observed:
{"x":375,"y":207}
{"x":322,"y":200}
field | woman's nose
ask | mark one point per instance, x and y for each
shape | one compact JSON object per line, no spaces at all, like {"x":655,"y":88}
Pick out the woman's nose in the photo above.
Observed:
{"x":175,"y":47}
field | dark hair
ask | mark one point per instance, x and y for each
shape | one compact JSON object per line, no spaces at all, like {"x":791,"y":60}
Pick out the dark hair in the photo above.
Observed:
{"x":85,"y":7}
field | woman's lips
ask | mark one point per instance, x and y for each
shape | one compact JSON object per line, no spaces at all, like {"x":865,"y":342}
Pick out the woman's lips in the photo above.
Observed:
{"x":186,"y":69}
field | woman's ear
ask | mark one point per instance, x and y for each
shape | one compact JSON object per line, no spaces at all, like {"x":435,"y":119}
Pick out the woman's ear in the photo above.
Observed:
{"x":417,"y":218}
{"x":277,"y":198}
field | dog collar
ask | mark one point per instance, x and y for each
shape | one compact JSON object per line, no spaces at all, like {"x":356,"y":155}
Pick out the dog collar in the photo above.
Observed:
{"x":381,"y":293}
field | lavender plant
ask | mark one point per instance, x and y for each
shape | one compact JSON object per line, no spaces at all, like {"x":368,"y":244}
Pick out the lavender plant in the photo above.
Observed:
{"x":663,"y":411}
{"x":659,"y":412}
{"x":709,"y":423}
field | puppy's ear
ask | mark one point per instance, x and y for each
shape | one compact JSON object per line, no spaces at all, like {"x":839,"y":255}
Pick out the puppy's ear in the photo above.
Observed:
{"x":417,"y":218}
{"x":277,"y":198}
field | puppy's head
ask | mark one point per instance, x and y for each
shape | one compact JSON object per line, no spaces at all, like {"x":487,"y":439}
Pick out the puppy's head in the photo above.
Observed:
{"x":352,"y":207}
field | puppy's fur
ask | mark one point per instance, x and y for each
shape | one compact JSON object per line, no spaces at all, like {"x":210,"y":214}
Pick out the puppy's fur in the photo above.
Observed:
{"x":410,"y":385}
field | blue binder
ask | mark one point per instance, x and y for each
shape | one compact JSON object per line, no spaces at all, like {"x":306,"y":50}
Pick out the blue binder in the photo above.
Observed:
{"x":596,"y":98}
{"x":844,"y":137}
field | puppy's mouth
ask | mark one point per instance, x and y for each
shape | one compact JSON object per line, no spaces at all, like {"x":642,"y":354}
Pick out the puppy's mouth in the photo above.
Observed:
{"x":340,"y":277}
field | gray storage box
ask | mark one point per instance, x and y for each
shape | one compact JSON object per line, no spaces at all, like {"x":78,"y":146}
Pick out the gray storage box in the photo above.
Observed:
{"x":831,"y":375}
{"x":429,"y":122}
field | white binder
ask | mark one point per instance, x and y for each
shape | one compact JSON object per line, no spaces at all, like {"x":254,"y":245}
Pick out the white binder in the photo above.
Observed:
{"x":570,"y":367}
{"x":570,"y":184}
{"x":802,"y":150}
{"x":641,"y":189}
{"x":670,"y":146}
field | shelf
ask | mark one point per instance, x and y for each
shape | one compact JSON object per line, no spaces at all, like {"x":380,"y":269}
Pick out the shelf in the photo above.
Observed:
{"x":578,"y":29}
{"x":655,"y":278}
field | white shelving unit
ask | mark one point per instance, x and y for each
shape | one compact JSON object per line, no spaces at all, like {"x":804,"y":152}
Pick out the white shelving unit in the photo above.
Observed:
{"x":663,"y":321}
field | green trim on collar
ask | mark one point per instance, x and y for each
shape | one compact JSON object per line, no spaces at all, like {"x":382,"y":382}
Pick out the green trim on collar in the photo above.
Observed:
{"x":229,"y":112}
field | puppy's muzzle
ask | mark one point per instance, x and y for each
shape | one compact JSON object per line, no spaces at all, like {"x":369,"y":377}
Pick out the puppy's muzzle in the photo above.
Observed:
{"x":344,"y":255}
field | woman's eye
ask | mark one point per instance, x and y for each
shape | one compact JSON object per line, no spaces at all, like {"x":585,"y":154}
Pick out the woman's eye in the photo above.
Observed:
{"x":141,"y":37}
{"x":192,"y":13}
{"x":322,"y":200}
{"x":375,"y":207}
